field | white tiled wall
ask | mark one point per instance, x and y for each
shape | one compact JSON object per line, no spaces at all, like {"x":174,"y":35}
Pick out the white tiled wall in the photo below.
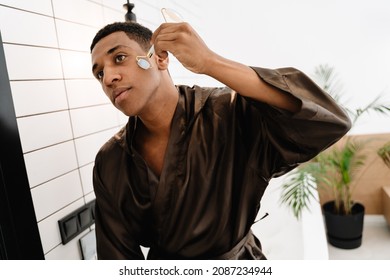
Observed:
{"x":32,"y":63}
{"x":56,"y":194}
{"x":25,"y":95}
{"x":44,"y":130}
{"x":50,"y":162}
{"x":62,"y":114}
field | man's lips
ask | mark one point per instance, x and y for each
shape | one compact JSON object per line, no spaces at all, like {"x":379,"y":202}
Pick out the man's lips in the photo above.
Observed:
{"x":118,"y":92}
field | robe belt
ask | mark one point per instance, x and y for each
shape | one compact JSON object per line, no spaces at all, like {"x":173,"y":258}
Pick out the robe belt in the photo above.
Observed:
{"x":249,"y":241}
{"x":231,"y":255}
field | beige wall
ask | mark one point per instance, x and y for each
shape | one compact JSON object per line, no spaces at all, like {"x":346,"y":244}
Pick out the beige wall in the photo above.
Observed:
{"x":367,"y":186}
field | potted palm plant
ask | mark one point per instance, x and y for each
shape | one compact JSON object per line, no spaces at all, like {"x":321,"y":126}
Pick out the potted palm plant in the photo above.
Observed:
{"x":384,"y":153}
{"x":334,"y":170}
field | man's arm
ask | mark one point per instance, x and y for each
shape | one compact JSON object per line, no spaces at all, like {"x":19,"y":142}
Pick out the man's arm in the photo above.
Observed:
{"x":185,"y":44}
{"x":245,"y":81}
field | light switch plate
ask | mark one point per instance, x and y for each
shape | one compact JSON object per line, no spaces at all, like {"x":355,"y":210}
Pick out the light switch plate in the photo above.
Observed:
{"x":88,"y":246}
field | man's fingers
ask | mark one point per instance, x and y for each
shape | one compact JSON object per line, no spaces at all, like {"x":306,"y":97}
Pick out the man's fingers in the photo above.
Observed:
{"x":163,"y":29}
{"x":171,"y":42}
{"x":162,"y":54}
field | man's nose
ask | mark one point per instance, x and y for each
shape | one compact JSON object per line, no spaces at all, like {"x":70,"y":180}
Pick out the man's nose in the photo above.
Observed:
{"x":111,"y":76}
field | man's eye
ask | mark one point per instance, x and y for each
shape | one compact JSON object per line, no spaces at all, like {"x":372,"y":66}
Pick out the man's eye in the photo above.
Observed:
{"x":99,"y":75}
{"x":120,"y":58}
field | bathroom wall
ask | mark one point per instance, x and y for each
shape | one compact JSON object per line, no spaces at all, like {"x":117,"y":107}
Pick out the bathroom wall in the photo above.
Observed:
{"x":62,"y":114}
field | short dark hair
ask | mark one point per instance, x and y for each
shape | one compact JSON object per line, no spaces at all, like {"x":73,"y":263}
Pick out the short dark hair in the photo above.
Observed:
{"x":135,"y":31}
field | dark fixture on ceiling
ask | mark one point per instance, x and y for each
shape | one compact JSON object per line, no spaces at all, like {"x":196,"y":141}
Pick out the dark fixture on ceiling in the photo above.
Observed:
{"x":129,"y":16}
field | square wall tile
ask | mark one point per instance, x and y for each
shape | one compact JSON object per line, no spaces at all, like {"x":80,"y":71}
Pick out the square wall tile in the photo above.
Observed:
{"x":48,"y":227}
{"x":70,"y":251}
{"x":37,"y":97}
{"x":76,"y":65}
{"x":149,"y":15}
{"x":85,"y":92}
{"x":27,"y":28}
{"x":88,"y":198}
{"x":54,"y":195}
{"x":46,"y":164}
{"x":122,"y":118}
{"x":29,"y":63}
{"x":73,"y":36}
{"x":36,"y":6}
{"x":111,"y":15}
{"x":88,"y":146}
{"x":86,"y":178}
{"x":79,"y":11}
{"x":44,"y":130}
{"x":93,"y":119}
{"x":118,"y":4}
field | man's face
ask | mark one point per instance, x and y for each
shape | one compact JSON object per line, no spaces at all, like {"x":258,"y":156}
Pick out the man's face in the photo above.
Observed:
{"x":128,"y":86}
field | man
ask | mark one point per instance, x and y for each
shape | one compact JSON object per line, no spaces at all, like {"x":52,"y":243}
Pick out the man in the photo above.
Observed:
{"x":185,"y":176}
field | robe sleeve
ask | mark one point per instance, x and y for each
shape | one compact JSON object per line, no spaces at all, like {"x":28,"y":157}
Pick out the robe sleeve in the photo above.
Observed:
{"x":285,"y":139}
{"x":113,"y":239}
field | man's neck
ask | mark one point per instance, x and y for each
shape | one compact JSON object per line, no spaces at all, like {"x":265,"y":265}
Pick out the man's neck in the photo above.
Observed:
{"x":153,"y":131}
{"x":157,"y":121}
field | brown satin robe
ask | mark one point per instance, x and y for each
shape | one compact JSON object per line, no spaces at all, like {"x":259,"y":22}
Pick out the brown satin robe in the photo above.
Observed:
{"x":222,"y":151}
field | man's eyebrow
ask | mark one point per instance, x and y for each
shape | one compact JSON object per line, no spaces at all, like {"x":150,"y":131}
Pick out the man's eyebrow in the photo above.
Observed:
{"x":110,"y":51}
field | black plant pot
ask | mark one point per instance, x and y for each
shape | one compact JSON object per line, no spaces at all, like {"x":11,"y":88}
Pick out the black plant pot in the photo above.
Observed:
{"x":344,"y":231}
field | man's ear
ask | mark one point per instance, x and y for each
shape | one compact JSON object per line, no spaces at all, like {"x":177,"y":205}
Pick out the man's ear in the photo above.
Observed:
{"x":162,"y":63}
